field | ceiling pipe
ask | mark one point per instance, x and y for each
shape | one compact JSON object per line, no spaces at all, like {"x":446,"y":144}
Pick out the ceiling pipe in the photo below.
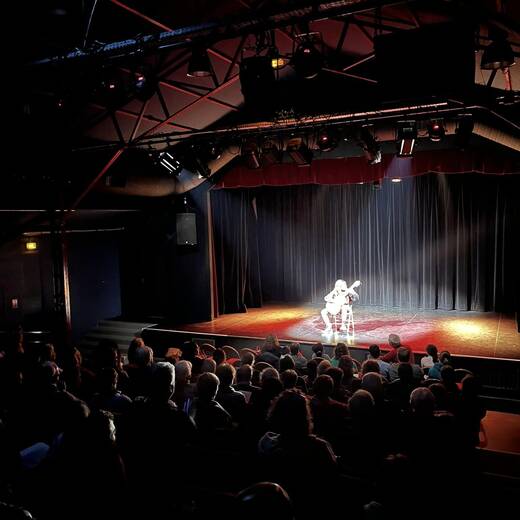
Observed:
{"x":211,"y":32}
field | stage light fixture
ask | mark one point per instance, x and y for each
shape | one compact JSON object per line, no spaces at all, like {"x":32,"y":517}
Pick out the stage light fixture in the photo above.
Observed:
{"x":299,"y":152}
{"x":270,"y":153}
{"x":436,"y":130}
{"x":498,"y":54}
{"x":406,"y":137}
{"x":396,"y":180}
{"x":199,"y":65}
{"x":371,"y":147}
{"x":277,"y":60}
{"x":307,"y":61}
{"x":251,"y":154}
{"x":168,"y":161}
{"x":145,"y":86}
{"x":327,"y":140}
{"x":31,"y":245}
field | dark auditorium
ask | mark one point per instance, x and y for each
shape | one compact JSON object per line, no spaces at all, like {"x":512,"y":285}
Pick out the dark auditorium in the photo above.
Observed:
{"x":258,"y":260}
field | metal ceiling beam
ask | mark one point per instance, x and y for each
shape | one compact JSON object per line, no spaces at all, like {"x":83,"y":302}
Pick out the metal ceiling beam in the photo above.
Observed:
{"x":212,"y":32}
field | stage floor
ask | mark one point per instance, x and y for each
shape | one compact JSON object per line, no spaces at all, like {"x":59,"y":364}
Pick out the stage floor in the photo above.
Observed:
{"x":480,"y":334}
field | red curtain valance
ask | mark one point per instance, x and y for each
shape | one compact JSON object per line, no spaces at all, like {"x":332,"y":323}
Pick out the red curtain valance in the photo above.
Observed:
{"x":355,"y":169}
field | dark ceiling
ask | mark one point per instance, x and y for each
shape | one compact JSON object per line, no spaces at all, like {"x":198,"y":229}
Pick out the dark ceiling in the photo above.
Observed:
{"x":65,"y":129}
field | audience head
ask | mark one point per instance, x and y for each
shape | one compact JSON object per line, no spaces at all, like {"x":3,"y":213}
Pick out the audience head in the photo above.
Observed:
{"x":337,"y":376}
{"x":269,"y":373}
{"x":244,"y":374}
{"x":284,"y":350}
{"x":347,"y":365}
{"x":375,"y":351}
{"x":323,"y":387}
{"x":394,"y":340}
{"x":226,"y":374}
{"x":422,"y":402}
{"x":373,"y":383}
{"x":47,"y":353}
{"x":163,"y":381}
{"x":445,"y":358}
{"x":219,"y":356}
{"x":190,"y":350}
{"x":341,"y":350}
{"x":289,"y":379}
{"x":441,"y":396}
{"x":143,"y":356}
{"x":431,"y":350}
{"x":135,"y":344}
{"x":370,"y":365}
{"x":323,"y":367}
{"x":207,"y":386}
{"x":208,"y":365}
{"x":403,"y":355}
{"x":259,"y":501}
{"x":361,"y":404}
{"x":312,"y":368}
{"x":290,"y":415}
{"x":247,"y":357}
{"x":287,"y":363}
{"x":295,"y":348}
{"x":318,"y":349}
{"x":271,"y":344}
{"x":183,"y":372}
{"x":448,"y":376}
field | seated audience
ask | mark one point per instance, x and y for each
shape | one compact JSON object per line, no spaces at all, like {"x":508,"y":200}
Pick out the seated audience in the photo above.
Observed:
{"x":384,"y":366}
{"x":403,"y":357}
{"x":300,"y":361}
{"x":233,"y":401}
{"x":429,"y":361}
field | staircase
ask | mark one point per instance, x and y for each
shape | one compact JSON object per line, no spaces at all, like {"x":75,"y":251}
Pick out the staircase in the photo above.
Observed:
{"x":120,"y":331}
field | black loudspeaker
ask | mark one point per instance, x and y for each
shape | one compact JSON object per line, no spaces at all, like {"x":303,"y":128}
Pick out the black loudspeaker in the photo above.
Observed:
{"x":186,"y":229}
{"x":434,"y":60}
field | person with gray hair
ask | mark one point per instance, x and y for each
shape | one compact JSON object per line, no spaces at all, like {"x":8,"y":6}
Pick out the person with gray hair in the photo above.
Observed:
{"x":209,"y":416}
{"x":184,"y":390}
{"x":232,"y":401}
{"x":394,"y":342}
{"x":208,"y":366}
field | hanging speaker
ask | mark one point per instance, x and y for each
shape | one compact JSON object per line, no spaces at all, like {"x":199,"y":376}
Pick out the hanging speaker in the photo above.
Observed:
{"x":186,"y":229}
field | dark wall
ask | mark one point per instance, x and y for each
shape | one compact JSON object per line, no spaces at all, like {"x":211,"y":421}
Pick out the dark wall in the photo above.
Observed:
{"x":26,"y":277}
{"x":159,"y":279}
{"x":95,"y":291}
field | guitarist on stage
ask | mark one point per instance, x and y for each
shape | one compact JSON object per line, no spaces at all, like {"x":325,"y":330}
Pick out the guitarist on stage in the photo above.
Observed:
{"x":339,"y":300}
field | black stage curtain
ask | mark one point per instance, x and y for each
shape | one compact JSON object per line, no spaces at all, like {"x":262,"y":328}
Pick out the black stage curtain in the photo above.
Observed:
{"x":237,"y":260}
{"x":431,"y":242}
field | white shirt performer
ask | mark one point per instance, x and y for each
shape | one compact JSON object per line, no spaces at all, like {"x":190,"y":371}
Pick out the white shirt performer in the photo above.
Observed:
{"x":339,"y":300}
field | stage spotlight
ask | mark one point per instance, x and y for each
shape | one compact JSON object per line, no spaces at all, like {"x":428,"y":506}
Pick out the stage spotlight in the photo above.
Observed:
{"x":251,"y":154}
{"x":270,"y":153}
{"x":327,"y":140}
{"x":406,"y":137}
{"x":463,"y":132}
{"x":145,"y":86}
{"x":199,"y":65}
{"x":498,"y":54}
{"x":396,"y":180}
{"x":307,"y":61}
{"x":436,"y":130}
{"x":277,"y":60}
{"x":371,"y":147}
{"x":167,"y":161}
{"x":299,"y":152}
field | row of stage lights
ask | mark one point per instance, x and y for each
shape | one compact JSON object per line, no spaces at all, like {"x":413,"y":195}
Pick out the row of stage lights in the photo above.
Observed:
{"x":262,"y":151}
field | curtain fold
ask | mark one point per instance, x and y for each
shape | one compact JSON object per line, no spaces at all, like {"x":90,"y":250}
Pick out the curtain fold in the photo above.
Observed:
{"x":429,"y":242}
{"x":236,"y":251}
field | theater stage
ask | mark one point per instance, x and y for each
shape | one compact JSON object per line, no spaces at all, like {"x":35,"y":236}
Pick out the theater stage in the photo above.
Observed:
{"x":480,"y":334}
